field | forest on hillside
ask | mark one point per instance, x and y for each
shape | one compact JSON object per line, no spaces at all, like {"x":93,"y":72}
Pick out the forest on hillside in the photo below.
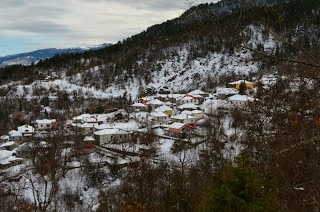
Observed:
{"x":277,"y":167}
{"x":211,"y":33}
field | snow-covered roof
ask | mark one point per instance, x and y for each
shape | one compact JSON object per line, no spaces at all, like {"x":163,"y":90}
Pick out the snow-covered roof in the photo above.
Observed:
{"x":110,"y":132}
{"x":182,"y":116}
{"x":5,"y":162}
{"x":240,"y":81}
{"x":196,"y":95}
{"x":175,"y":95}
{"x":13,"y":158}
{"x":15,"y":133}
{"x":186,"y":112}
{"x":239,"y":97}
{"x":197,"y":92}
{"x":124,"y":126}
{"x":227,"y":91}
{"x":45,"y":121}
{"x":91,"y":120}
{"x":26,"y":129}
{"x":163,"y":108}
{"x":158,"y":114}
{"x":196,"y":111}
{"x":138,"y":105}
{"x":176,"y":125}
{"x":102,"y":118}
{"x":88,"y":125}
{"x":103,"y":126}
{"x":188,"y":106}
{"x":156,"y":102}
{"x":4,"y":137}
{"x":9,"y":159}
{"x":5,"y":154}
{"x":82,"y":116}
{"x":10,"y":143}
{"x":88,"y":138}
{"x":187,"y":98}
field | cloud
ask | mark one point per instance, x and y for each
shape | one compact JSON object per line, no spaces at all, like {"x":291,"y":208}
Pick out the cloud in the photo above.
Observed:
{"x":39,"y":27}
{"x":145,"y":4}
{"x":82,"y":22}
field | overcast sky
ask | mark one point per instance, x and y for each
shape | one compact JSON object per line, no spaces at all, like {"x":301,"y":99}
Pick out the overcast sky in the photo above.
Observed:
{"x":27,"y":25}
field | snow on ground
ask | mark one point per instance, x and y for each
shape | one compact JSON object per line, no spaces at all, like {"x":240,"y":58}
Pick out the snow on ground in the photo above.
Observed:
{"x":178,"y":73}
{"x":126,"y":147}
{"x":261,"y":36}
{"x":165,"y":146}
{"x":73,"y":184}
{"x":232,"y":147}
{"x":175,"y":72}
{"x":46,"y":87}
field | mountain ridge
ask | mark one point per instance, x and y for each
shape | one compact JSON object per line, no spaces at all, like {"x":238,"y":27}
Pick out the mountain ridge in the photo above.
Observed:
{"x":27,"y":58}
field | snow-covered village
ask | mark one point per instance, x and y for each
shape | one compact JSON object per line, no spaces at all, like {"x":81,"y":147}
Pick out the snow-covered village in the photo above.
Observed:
{"x":171,"y":116}
{"x":178,"y":124}
{"x":138,"y":106}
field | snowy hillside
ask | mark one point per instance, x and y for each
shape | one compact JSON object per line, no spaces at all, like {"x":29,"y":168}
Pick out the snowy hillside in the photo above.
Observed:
{"x":175,"y":73}
{"x":230,"y":100}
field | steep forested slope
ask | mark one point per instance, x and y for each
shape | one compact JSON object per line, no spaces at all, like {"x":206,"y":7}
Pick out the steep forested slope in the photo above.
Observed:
{"x":263,"y":156}
{"x":206,"y":43}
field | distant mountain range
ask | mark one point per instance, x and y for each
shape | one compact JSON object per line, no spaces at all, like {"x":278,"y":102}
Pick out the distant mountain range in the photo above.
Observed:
{"x":34,"y":56}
